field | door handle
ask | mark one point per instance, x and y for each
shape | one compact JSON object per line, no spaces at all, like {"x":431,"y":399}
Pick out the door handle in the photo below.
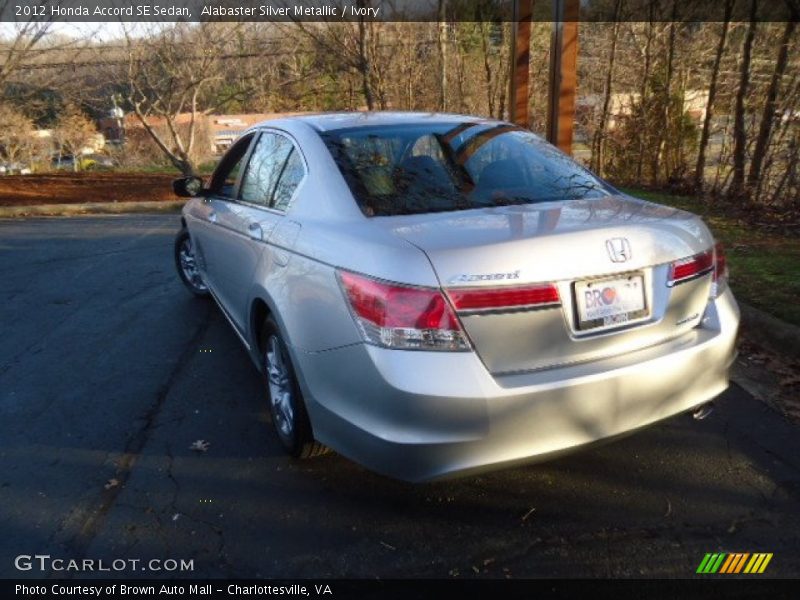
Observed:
{"x":212,"y":216}
{"x":255,"y":232}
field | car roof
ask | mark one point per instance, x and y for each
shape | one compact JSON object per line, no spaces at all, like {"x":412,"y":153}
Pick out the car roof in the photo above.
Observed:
{"x":346,"y":120}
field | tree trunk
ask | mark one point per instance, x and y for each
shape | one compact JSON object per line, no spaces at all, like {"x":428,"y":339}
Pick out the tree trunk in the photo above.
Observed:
{"x":643,"y":94}
{"x":180,"y":161}
{"x":599,"y":141}
{"x":699,"y":171}
{"x":487,"y":68}
{"x":460,"y":70}
{"x":663,"y":127}
{"x":442,"y":39}
{"x":788,"y":179}
{"x":409,"y":89}
{"x":736,"y":189}
{"x":767,"y":117}
{"x":363,"y":62}
{"x":503,"y":75}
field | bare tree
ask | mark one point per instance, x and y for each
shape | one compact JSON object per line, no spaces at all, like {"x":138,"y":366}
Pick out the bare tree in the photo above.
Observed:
{"x":666,"y":105}
{"x":442,"y":41}
{"x":176,"y":71}
{"x":736,"y":188}
{"x":24,"y":36}
{"x":16,"y":133}
{"x":647,"y":56}
{"x":700,"y":167}
{"x":768,"y":114}
{"x":73,"y":132}
{"x":496,"y":68}
{"x":34,"y":58}
{"x":410,"y":78}
{"x":355,"y":47}
{"x":598,"y":143}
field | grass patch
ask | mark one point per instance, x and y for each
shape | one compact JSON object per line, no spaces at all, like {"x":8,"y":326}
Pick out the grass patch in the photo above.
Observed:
{"x":92,"y":208}
{"x":202,"y":170}
{"x":764,"y":266}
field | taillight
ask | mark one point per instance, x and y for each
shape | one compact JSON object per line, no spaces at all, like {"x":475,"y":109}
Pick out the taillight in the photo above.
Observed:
{"x":720,"y":271}
{"x":402,"y":317}
{"x":689,"y":268}
{"x":484,"y":299}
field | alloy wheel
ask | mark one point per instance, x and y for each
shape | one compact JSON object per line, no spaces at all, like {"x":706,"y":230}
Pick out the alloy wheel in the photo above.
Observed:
{"x":189,"y":266}
{"x":280,"y":387}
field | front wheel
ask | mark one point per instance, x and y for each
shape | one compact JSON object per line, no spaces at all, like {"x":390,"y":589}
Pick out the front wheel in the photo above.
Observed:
{"x":286,"y":405}
{"x":186,"y":264}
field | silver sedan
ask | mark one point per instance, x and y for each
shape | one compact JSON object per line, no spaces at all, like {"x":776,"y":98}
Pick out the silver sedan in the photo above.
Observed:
{"x":430,"y":294}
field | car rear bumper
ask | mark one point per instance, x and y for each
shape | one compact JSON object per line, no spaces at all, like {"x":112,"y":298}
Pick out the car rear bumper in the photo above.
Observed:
{"x":426,"y":415}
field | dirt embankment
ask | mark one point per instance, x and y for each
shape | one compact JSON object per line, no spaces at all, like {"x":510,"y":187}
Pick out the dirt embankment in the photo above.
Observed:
{"x":78,"y":188}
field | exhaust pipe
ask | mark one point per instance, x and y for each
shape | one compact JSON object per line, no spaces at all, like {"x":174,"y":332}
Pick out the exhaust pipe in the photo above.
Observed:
{"x":703,"y":411}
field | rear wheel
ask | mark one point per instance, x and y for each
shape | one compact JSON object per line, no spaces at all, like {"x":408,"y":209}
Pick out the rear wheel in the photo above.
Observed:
{"x":186,"y":264}
{"x":286,"y":405}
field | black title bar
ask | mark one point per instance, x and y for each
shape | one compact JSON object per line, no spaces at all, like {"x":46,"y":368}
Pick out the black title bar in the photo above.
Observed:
{"x":132,"y":11}
{"x":407,"y":589}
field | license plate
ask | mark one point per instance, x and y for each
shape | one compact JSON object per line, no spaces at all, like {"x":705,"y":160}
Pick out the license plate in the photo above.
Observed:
{"x":610,"y":302}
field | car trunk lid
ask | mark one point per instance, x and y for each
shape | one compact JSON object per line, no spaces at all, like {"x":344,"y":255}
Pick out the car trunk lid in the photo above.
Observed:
{"x":617,"y":246}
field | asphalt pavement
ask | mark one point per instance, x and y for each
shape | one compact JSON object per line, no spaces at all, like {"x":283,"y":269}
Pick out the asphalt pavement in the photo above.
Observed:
{"x":110,"y":371}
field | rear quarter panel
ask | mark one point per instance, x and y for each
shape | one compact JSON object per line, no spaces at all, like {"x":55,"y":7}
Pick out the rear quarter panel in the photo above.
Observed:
{"x":298,"y":281}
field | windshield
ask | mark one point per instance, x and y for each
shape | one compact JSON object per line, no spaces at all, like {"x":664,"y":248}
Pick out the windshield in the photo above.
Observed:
{"x":410,"y":169}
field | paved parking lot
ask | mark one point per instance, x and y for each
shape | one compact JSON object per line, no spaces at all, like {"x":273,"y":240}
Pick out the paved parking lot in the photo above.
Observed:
{"x":109,"y":371}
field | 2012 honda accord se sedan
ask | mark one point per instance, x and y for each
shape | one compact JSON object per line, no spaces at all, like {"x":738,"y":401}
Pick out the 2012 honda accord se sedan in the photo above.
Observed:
{"x":433,"y":294}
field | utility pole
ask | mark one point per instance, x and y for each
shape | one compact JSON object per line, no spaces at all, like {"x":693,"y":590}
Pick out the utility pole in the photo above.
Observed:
{"x":563,"y":74}
{"x":519,"y":91}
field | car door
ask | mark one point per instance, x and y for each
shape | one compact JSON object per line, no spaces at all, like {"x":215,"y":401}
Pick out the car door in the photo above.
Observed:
{"x":202,"y":213}
{"x":282,"y":170}
{"x":222,"y":238}
{"x":263,"y":193}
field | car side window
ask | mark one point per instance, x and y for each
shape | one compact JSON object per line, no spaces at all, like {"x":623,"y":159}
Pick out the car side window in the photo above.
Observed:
{"x":265,"y":168}
{"x":223,"y":182}
{"x":293,"y":172}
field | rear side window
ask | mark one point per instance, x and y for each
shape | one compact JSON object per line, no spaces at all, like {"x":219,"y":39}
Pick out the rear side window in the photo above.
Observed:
{"x":409,"y":169}
{"x":293,"y":172}
{"x":265,"y":168}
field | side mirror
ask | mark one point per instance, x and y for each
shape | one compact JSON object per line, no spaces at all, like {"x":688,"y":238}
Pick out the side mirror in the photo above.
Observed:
{"x":188,"y":187}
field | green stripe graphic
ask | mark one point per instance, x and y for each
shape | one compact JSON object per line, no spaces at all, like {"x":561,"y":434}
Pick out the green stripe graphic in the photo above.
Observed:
{"x":702,"y":567}
{"x":717,"y":564}
{"x":711,"y":563}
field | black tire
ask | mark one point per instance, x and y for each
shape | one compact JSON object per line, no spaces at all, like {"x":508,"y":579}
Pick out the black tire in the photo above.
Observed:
{"x":188,"y":271}
{"x":288,"y":414}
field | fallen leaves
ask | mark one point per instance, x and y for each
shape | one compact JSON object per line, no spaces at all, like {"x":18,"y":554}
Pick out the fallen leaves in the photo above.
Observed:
{"x":758,"y":358}
{"x":111,"y":483}
{"x":776,"y":375}
{"x":200,"y":446}
{"x":790,"y":380}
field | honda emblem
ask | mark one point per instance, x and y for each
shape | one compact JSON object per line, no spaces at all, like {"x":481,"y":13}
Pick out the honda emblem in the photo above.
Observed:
{"x":619,"y":249}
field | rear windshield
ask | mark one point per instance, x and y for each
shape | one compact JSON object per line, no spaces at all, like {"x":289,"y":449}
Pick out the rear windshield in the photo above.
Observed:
{"x":410,"y":169}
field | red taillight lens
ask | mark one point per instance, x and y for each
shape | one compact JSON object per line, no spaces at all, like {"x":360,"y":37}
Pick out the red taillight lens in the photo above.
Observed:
{"x":398,"y":316}
{"x":500,"y":298}
{"x":693,"y":266}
